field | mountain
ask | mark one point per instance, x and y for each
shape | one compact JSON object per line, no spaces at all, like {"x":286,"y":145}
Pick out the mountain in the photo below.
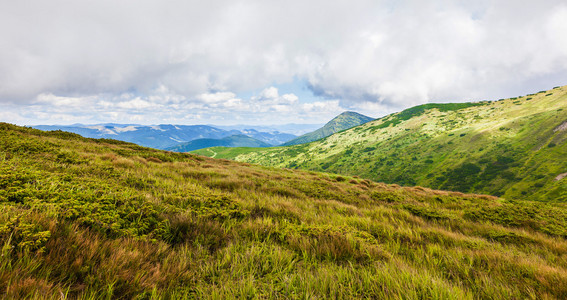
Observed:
{"x":157,"y":136}
{"x":292,"y":128}
{"x":341,"y":122}
{"x":513,"y":148}
{"x":164,"y":136}
{"x":105,"y":219}
{"x":271,"y":138}
{"x":239,"y":140}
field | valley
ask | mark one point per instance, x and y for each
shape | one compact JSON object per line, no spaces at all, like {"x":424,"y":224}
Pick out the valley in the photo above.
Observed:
{"x":514,"y":148}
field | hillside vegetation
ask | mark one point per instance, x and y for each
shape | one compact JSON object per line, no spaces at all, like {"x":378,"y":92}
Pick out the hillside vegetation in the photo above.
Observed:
{"x":94,"y":219}
{"x":238,"y":140}
{"x":514,"y":148}
{"x":344,"y":121}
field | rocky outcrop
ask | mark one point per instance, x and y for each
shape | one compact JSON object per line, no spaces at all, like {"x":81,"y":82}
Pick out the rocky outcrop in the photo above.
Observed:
{"x":561,"y":127}
{"x":560,"y":176}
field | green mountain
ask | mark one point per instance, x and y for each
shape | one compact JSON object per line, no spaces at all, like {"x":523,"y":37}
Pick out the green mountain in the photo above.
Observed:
{"x":104,"y":219}
{"x":513,"y":148}
{"x":238,"y":140}
{"x":344,"y":121}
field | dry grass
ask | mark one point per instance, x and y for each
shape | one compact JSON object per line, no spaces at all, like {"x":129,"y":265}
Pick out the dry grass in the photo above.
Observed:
{"x":109,"y":221}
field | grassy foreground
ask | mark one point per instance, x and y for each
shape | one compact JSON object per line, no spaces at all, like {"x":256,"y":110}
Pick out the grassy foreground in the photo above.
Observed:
{"x":514,"y":148}
{"x":90,"y":219}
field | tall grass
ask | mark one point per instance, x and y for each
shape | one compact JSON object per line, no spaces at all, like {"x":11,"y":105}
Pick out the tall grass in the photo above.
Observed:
{"x":92,"y":219}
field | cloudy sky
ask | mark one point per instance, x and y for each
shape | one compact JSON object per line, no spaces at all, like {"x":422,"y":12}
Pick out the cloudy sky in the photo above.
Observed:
{"x":268,"y":62}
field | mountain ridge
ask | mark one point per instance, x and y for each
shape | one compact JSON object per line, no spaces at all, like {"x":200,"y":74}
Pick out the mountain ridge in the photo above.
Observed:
{"x":237,"y":140}
{"x":339,"y":123}
{"x":164,"y":135}
{"x":508,"y":148}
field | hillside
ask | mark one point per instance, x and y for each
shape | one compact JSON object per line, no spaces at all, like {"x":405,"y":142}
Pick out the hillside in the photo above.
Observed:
{"x":268,"y":137}
{"x":165,"y":136}
{"x":341,"y":122}
{"x":229,"y":141}
{"x":513,"y":148}
{"x":86,"y":219}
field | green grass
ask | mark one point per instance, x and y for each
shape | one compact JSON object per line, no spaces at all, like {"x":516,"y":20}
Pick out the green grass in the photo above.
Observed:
{"x":229,"y":141}
{"x":511,"y":148}
{"x":91,"y":219}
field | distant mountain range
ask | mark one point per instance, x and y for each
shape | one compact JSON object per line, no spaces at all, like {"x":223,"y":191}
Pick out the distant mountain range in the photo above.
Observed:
{"x":238,"y":140}
{"x":167,"y":136}
{"x":341,"y":122}
{"x":294,"y":129}
{"x":184,"y":138}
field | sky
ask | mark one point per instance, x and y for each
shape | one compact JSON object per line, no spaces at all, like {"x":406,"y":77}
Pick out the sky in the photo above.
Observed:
{"x":268,"y":62}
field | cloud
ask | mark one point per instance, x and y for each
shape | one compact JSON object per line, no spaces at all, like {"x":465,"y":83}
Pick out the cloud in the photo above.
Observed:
{"x":219,"y":108}
{"x":216,"y":97}
{"x":175,"y":58}
{"x":269,"y":94}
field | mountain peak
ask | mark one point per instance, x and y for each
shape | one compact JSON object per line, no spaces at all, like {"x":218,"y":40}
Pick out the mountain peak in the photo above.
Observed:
{"x":344,"y":121}
{"x":351,"y":113}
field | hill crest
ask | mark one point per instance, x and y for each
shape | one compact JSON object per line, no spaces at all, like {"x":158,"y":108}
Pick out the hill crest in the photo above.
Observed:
{"x":237,"y":140}
{"x":507,"y":148}
{"x":344,"y":121}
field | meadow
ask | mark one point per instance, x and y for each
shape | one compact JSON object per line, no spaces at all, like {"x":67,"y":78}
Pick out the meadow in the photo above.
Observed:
{"x":92,"y":219}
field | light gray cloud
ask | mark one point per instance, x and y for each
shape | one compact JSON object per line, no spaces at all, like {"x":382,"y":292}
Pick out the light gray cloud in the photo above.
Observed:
{"x":128,"y":58}
{"x":222,"y":108}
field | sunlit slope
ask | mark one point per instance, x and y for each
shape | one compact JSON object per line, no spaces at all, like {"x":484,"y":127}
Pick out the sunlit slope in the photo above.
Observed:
{"x":239,"y":140}
{"x":102,"y":219}
{"x":344,"y":121}
{"x":513,"y":148}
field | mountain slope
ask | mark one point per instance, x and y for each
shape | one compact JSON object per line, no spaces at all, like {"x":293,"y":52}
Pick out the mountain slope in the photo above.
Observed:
{"x":513,"y":148}
{"x":341,"y":122}
{"x":290,"y":128}
{"x":93,"y":219}
{"x":268,"y":137}
{"x":229,"y":141}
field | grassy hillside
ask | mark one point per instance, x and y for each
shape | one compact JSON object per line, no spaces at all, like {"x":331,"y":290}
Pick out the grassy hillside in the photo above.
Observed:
{"x":238,"y":140}
{"x":85,"y":218}
{"x":513,"y":148}
{"x":341,"y":122}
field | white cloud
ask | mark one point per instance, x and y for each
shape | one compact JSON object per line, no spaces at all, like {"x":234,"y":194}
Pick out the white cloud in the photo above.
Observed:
{"x":136,"y":103}
{"x":289,"y":98}
{"x":216,"y":97}
{"x":50,"y":99}
{"x":269,"y":94}
{"x":195,"y":58}
{"x":220,"y":107}
{"x":323,"y":106}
